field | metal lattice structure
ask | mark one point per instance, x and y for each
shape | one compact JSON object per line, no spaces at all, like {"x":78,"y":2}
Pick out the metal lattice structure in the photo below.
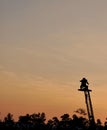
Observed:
{"x":88,"y":104}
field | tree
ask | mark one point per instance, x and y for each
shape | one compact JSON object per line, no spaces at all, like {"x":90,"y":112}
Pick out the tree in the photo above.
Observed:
{"x":53,"y":123}
{"x":9,"y":119}
{"x":24,"y":119}
{"x":66,"y":122}
{"x":38,"y":118}
{"x":81,"y":111}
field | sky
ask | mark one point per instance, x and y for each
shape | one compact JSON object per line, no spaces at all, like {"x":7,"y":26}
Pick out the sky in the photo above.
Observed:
{"x":46,"y":47}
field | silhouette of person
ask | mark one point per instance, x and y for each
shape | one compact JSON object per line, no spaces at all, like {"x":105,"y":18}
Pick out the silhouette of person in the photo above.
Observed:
{"x":84,"y":83}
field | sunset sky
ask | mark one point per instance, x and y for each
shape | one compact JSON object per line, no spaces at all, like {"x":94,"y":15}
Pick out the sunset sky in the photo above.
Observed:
{"x":46,"y":47}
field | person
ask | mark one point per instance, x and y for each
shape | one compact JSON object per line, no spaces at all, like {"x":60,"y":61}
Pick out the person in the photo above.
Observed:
{"x":84,"y":83}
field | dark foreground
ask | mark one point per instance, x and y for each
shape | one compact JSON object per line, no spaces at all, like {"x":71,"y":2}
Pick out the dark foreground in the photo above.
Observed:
{"x":38,"y":122}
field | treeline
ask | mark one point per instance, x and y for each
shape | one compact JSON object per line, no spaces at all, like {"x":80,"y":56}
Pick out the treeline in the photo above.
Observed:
{"x":37,"y":121}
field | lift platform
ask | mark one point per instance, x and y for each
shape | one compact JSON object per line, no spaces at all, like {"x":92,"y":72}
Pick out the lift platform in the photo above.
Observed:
{"x":88,"y":105}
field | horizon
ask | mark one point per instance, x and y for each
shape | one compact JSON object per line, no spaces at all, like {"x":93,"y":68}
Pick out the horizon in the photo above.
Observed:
{"x":46,"y":47}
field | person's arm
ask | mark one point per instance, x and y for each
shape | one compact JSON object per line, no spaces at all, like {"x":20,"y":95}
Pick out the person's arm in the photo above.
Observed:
{"x":87,"y":83}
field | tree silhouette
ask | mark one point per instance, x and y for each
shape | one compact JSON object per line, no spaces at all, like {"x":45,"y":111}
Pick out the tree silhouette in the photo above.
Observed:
{"x":81,"y":111}
{"x":24,"y":119}
{"x":53,"y":123}
{"x":65,"y":122}
{"x":37,"y":121}
{"x":8,"y":122}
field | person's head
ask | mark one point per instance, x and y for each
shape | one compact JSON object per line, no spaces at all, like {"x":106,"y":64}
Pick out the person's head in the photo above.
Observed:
{"x":84,"y":78}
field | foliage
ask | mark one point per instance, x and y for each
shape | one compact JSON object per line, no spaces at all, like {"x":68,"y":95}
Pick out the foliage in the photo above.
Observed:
{"x":37,"y":121}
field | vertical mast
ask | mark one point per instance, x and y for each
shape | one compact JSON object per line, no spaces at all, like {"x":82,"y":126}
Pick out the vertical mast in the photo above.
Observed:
{"x":84,"y":88}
